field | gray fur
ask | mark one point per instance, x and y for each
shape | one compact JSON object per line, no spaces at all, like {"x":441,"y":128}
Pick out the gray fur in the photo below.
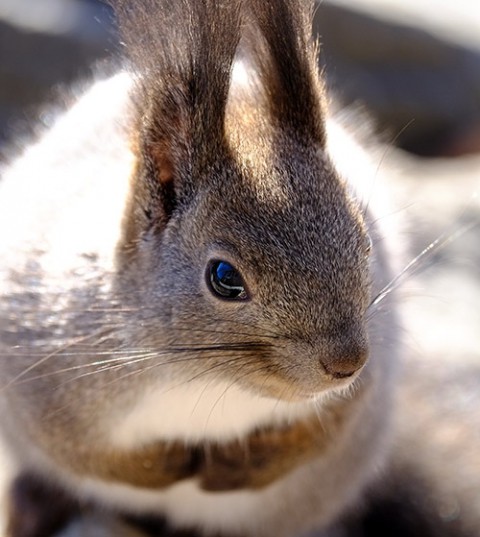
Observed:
{"x":248,"y":181}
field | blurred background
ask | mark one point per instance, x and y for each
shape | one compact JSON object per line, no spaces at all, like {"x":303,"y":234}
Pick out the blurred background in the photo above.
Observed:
{"x":409,"y":62}
{"x":413,"y":66}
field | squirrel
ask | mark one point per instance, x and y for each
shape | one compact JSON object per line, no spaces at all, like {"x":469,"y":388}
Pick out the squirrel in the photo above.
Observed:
{"x":193,"y":323}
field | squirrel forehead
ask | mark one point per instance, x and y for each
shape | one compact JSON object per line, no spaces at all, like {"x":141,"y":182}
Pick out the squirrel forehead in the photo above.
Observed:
{"x":274,"y":213}
{"x":273,"y":167}
{"x":274,"y":187}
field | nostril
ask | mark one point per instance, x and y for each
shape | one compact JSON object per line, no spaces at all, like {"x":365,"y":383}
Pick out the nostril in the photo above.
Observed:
{"x":345,"y":352}
{"x":344,"y":364}
{"x":339,"y":370}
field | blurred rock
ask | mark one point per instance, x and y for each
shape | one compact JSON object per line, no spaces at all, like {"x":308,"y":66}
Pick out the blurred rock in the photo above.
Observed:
{"x":423,"y":92}
{"x":38,"y":54}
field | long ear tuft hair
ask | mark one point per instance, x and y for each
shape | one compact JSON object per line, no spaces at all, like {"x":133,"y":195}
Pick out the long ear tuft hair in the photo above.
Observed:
{"x":287,"y":59}
{"x":182,"y":52}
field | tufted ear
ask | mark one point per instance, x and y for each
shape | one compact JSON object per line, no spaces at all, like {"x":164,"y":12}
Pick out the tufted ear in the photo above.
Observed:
{"x":287,"y":57}
{"x":181,"y":53}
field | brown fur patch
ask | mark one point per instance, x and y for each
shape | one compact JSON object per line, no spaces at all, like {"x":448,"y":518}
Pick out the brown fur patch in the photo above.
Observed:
{"x":254,"y":462}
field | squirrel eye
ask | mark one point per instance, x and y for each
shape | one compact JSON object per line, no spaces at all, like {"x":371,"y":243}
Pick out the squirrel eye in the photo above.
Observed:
{"x":225,"y":281}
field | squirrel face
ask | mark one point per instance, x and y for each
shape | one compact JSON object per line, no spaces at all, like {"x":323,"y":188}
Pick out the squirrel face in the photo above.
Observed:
{"x":297,"y":250}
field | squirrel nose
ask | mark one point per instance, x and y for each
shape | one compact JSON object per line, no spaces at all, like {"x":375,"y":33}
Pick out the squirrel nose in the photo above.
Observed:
{"x":346,"y":362}
{"x":341,"y":370}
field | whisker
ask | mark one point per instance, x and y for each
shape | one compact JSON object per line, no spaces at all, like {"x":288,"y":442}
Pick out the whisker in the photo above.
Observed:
{"x":44,"y":359}
{"x":84,"y":352}
{"x":189,"y":358}
{"x":414,"y":266}
{"x":388,"y":147}
{"x":264,"y":333}
{"x":223,"y":394}
{"x":124,"y":356}
{"x":106,"y":365}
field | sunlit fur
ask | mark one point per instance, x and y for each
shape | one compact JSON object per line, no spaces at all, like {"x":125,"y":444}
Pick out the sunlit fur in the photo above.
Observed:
{"x":110,"y":340}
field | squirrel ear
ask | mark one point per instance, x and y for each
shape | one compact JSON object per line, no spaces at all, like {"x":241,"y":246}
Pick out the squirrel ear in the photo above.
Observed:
{"x":182,"y":53}
{"x":164,"y":164}
{"x":288,"y":62}
{"x":163,"y":174}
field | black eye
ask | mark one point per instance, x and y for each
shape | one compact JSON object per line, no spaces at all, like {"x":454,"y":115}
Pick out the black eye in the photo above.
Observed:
{"x":225,"y":281}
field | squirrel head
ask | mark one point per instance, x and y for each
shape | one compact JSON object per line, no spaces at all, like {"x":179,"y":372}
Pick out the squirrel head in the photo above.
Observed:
{"x":241,"y":240}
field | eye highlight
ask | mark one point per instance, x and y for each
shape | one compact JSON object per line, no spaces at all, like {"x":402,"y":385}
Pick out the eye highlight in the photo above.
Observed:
{"x":225,"y":281}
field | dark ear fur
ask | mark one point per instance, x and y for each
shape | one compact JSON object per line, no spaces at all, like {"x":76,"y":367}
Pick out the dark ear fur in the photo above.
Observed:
{"x":287,"y":59}
{"x":182,"y":53}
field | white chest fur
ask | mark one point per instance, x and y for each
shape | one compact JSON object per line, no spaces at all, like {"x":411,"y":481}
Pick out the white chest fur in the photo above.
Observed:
{"x":185,"y":504}
{"x":197,"y":411}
